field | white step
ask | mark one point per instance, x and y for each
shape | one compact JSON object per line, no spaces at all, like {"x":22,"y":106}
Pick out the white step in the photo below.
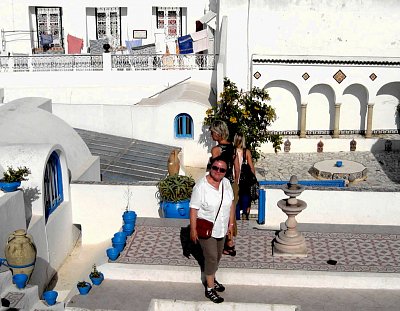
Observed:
{"x":42,"y":305}
{"x":21,"y":299}
{"x":179,"y":305}
{"x":255,"y":277}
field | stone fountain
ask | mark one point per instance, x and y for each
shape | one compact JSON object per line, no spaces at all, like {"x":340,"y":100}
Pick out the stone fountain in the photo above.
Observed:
{"x":289,"y":241}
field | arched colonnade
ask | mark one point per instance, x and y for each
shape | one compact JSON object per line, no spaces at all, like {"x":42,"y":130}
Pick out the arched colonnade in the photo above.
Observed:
{"x":323,"y":98}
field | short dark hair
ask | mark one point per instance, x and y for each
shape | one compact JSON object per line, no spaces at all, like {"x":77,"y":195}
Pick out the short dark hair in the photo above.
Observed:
{"x":221,"y":157}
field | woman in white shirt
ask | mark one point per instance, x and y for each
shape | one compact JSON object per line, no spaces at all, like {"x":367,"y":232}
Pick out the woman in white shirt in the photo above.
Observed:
{"x":211,"y":193}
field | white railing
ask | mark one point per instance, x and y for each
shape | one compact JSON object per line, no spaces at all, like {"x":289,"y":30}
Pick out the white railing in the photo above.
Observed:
{"x":165,"y":62}
{"x":33,"y":63}
{"x":87,"y":62}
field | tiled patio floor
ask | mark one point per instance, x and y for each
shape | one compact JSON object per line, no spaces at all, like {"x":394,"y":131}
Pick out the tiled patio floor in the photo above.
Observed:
{"x":361,"y":249}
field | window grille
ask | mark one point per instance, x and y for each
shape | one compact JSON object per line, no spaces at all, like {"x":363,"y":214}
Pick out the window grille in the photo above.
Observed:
{"x":53,"y":189}
{"x":183,"y":126}
{"x":108,"y":25}
{"x":170,"y":19}
{"x":49,"y":22}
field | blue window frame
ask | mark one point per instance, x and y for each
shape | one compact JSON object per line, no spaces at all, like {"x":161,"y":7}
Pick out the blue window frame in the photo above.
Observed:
{"x":53,"y":189}
{"x":183,"y":126}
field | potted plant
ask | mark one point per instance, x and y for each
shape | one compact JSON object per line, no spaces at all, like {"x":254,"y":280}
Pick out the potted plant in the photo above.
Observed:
{"x":83,"y":287}
{"x":174,"y":193}
{"x":12,"y":178}
{"x":96,"y":276}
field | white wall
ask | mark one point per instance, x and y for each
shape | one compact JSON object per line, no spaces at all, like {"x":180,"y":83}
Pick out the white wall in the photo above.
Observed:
{"x":12,"y":216}
{"x":102,"y":206}
{"x":99,"y":208}
{"x":303,"y":27}
{"x":337,"y":207}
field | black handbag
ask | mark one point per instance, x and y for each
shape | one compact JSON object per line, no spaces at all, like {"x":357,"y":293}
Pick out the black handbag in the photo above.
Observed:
{"x":248,"y":183}
{"x":204,"y":227}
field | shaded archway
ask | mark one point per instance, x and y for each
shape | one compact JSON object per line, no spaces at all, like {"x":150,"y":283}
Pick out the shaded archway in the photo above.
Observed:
{"x":386,"y":101}
{"x":286,"y":99}
{"x":353,"y":111}
{"x":321,"y":108}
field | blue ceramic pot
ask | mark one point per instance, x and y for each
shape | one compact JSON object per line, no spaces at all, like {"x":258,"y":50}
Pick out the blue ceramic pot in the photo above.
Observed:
{"x":129,"y":217}
{"x":118,"y":240}
{"x":175,"y":209}
{"x":20,"y":280}
{"x":119,"y":246}
{"x":128,"y":228}
{"x":339,"y":163}
{"x":50,"y":297}
{"x":121,"y":235}
{"x":84,"y":290}
{"x":112,"y":253}
{"x":9,"y":186}
{"x":97,"y":281}
{"x":118,"y":243}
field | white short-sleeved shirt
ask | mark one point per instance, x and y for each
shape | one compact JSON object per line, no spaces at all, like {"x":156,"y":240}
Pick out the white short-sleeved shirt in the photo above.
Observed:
{"x":206,"y":199}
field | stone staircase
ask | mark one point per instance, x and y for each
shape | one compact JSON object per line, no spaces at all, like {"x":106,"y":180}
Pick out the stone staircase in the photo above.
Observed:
{"x":26,"y":299}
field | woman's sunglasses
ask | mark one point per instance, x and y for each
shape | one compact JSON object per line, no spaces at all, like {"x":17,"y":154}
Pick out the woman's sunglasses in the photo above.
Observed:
{"x":218,"y":169}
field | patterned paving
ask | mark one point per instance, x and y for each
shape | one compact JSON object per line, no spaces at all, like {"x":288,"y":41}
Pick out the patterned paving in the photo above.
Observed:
{"x":354,"y":252}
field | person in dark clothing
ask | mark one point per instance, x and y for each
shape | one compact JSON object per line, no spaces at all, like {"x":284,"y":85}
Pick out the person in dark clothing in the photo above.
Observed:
{"x":220,"y":134}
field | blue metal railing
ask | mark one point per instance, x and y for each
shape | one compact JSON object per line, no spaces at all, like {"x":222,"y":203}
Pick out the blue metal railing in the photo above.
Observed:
{"x":340,"y":183}
{"x":317,"y":183}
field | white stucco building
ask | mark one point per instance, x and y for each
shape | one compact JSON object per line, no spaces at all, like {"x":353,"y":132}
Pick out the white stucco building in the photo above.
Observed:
{"x":330,"y":67}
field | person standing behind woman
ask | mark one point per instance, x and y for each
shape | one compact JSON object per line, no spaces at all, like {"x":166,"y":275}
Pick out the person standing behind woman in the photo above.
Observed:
{"x":220,"y":134}
{"x":212,"y":199}
{"x":243,"y":154}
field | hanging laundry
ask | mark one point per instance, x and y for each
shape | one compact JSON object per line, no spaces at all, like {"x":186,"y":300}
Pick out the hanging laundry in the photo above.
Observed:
{"x":46,"y":39}
{"x":133,"y":43}
{"x":159,"y":36}
{"x":75,"y":45}
{"x":200,"y":41}
{"x":171,"y":46}
{"x":185,"y":44}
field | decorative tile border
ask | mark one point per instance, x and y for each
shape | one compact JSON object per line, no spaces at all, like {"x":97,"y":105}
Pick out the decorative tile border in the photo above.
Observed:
{"x":355,"y":252}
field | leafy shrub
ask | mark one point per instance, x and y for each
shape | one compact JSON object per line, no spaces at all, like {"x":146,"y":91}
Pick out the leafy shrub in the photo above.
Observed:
{"x":246,"y":113}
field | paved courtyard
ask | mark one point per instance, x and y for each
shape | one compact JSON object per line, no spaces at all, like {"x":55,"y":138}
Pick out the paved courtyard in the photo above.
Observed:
{"x":383,"y":167}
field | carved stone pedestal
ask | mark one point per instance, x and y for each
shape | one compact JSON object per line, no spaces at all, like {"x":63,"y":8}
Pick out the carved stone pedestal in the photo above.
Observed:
{"x":290,"y":242}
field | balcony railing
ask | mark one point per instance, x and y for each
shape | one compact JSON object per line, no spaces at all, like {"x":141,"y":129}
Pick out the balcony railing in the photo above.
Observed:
{"x":34,"y":63}
{"x":166,"y":62}
{"x":59,"y":62}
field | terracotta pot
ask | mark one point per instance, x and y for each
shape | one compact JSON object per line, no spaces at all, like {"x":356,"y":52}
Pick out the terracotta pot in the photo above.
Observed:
{"x":20,"y":252}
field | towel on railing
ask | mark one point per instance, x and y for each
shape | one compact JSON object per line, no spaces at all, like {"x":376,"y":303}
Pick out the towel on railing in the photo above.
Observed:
{"x":133,"y":43}
{"x":46,"y":40}
{"x":75,"y":45}
{"x":200,"y":41}
{"x":185,"y":44}
{"x":96,"y":46}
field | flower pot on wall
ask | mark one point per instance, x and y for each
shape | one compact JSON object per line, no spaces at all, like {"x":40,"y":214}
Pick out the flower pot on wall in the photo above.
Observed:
{"x":20,"y":252}
{"x":50,"y":297}
{"x":112,"y":253}
{"x":97,"y":280}
{"x":20,"y":280}
{"x":9,"y":186}
{"x":84,"y":288}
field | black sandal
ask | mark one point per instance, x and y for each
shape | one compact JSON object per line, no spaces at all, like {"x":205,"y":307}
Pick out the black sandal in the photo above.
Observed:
{"x":229,"y":250}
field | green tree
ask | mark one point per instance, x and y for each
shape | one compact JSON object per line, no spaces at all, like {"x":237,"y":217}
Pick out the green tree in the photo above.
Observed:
{"x":247,"y":113}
